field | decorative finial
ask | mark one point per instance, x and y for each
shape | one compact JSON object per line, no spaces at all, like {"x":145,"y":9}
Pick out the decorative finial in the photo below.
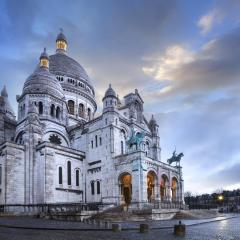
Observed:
{"x":61,"y":30}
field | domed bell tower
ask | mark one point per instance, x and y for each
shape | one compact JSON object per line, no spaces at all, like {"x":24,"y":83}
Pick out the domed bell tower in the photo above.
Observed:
{"x":110,"y":100}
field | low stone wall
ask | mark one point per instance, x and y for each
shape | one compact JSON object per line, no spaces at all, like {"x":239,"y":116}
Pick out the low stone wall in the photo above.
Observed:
{"x":65,"y":216}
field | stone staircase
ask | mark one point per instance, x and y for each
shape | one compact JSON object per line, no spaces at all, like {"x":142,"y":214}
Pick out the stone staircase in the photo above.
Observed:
{"x":122,"y":213}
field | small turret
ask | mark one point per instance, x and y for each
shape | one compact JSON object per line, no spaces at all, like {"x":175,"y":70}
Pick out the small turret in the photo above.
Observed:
{"x":110,"y":99}
{"x":153,"y":126}
{"x":44,"y":59}
{"x":4,"y":92}
{"x":6,"y":107}
{"x":156,"y":150}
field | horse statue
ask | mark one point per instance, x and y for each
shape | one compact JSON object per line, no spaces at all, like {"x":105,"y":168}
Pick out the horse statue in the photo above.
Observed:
{"x":135,"y":139}
{"x":175,"y":158}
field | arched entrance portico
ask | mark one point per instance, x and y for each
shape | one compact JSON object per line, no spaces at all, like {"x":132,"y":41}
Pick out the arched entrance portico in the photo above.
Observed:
{"x":125,"y":181}
{"x":151,"y":184}
{"x":174,"y":189}
{"x":164,"y":187}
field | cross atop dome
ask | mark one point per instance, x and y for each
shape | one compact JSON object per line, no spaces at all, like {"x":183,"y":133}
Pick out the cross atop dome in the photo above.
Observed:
{"x":61,"y":41}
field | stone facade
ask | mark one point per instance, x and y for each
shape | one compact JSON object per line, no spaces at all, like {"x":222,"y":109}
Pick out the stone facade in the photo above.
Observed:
{"x":58,"y":151}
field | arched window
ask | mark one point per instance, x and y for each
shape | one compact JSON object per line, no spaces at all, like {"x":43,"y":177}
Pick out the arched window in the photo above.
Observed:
{"x":147,"y":148}
{"x":92,"y":188}
{"x":23,"y":110}
{"x":81,"y":110}
{"x":0,"y":174}
{"x":52,"y":112}
{"x":100,"y":141}
{"x":69,"y":177}
{"x":89,"y":113}
{"x":98,"y":187}
{"x":77,"y":178}
{"x":71,"y":107}
{"x":40,"y":108}
{"x":60,"y":180}
{"x":58,"y":112}
{"x":122,"y":149}
{"x":96,"y":141}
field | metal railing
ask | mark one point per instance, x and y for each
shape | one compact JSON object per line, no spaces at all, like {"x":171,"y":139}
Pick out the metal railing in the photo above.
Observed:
{"x":51,"y":208}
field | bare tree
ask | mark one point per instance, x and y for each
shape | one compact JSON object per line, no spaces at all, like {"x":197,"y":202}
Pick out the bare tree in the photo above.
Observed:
{"x":188,"y":194}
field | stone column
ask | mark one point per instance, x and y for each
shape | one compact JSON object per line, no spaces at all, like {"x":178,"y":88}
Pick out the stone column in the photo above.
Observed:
{"x":169,"y":193}
{"x":157,"y":192}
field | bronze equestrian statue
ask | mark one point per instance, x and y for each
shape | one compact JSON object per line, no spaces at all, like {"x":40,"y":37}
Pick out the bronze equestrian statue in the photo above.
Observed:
{"x":135,"y":138}
{"x":175,"y":158}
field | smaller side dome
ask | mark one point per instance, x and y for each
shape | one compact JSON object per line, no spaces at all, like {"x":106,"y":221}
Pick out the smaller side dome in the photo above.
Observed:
{"x":42,"y":81}
{"x":110,"y":92}
{"x":61,"y":41}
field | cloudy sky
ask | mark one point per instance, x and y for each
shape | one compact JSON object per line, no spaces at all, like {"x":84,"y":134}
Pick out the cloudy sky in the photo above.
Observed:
{"x":183,"y":56}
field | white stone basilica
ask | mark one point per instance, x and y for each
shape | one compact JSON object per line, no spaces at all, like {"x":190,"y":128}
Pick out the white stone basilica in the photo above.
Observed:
{"x":58,"y":152}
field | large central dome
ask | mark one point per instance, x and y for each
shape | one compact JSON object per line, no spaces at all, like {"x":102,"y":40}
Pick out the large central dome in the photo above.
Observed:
{"x":78,"y":89}
{"x":61,"y":64}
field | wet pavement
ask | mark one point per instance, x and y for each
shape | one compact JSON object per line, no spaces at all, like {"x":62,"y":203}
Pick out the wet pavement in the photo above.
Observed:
{"x":228,"y":229}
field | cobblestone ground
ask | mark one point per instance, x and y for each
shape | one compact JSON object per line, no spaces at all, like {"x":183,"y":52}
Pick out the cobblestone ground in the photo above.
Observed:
{"x":223,"y":230}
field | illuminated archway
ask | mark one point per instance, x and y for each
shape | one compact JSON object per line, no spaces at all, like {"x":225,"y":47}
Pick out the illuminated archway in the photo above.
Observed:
{"x":163,"y":187}
{"x":125,"y":181}
{"x":151,"y":183}
{"x":174,"y":189}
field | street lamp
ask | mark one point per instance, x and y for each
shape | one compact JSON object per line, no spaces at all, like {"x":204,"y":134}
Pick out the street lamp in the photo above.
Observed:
{"x":220,"y":198}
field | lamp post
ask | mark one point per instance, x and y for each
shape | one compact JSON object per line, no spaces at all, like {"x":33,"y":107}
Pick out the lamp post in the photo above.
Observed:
{"x":221,"y":199}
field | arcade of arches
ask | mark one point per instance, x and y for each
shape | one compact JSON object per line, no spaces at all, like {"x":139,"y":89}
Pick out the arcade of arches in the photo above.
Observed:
{"x":168,"y":191}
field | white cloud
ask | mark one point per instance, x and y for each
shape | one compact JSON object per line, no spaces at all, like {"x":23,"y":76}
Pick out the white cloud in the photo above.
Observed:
{"x":163,"y":67}
{"x":207,"y":22}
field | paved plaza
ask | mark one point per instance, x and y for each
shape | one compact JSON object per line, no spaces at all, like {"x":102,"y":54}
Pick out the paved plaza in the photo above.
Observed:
{"x":223,"y":229}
